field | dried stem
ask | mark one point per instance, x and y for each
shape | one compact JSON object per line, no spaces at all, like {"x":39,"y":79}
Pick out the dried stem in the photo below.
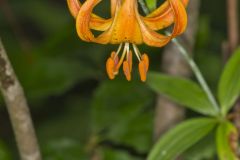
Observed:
{"x":233,"y":34}
{"x":18,"y":110}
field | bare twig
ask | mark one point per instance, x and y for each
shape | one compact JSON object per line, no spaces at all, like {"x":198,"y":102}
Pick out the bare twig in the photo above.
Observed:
{"x":18,"y":110}
{"x":233,"y":34}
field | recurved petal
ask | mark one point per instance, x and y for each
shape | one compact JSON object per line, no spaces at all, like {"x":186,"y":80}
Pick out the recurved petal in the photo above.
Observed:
{"x":180,"y":17}
{"x":96,"y":22}
{"x":100,"y":24}
{"x":153,"y":38}
{"x":83,"y":24}
{"x":162,"y":17}
{"x":165,"y":8}
{"x":74,"y":7}
{"x":113,"y":7}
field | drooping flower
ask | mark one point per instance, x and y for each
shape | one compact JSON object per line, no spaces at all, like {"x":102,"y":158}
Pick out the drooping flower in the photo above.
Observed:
{"x":126,"y":26}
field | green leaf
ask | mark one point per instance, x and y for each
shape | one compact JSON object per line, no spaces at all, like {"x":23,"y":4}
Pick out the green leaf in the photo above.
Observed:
{"x":229,"y":85}
{"x":180,"y":138}
{"x":114,"y":154}
{"x":151,"y":4}
{"x":227,"y":141}
{"x":62,"y":149}
{"x":205,"y":149}
{"x":4,"y":152}
{"x":182,"y":91}
{"x":121,"y":113}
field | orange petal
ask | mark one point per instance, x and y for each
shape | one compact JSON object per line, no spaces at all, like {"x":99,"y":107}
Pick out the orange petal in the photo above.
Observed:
{"x":83,"y":24}
{"x":126,"y":70}
{"x":142,"y":71}
{"x":110,"y":68}
{"x":113,"y":7}
{"x":83,"y":20}
{"x":165,"y":9}
{"x":162,"y":17}
{"x":153,"y":38}
{"x":180,"y":17}
{"x":126,"y":27}
{"x":100,"y":24}
{"x":114,"y":57}
{"x":74,"y":7}
{"x":96,"y":22}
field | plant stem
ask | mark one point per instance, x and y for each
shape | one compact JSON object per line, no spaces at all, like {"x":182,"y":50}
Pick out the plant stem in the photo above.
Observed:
{"x":192,"y":64}
{"x":232,"y":17}
{"x":197,"y":73}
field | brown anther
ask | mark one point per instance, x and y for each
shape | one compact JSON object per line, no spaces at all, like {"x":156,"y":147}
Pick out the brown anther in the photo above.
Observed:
{"x":110,"y":67}
{"x":143,"y":67}
{"x":116,"y":61}
{"x":129,"y":59}
{"x":115,"y":58}
{"x":145,"y":58}
{"x":127,"y":70}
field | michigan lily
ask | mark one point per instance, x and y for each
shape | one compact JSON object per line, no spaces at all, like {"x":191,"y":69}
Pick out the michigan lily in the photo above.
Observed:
{"x":128,"y":28}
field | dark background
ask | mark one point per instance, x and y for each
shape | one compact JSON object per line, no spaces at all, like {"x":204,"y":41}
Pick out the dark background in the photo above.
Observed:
{"x":73,"y":103}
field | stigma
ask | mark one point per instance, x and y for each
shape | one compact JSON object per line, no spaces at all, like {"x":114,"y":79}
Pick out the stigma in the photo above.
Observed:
{"x":127,"y":49}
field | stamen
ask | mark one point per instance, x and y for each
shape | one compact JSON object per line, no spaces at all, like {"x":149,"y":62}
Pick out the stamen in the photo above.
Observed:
{"x":142,"y":71}
{"x":136,"y":51}
{"x":129,"y":59}
{"x":115,"y":58}
{"x":146,"y":60}
{"x":126,"y":47}
{"x":119,"y":49}
{"x":127,"y":65}
{"x":143,"y":67}
{"x":126,"y":70}
{"x":114,"y":63}
{"x":110,"y":67}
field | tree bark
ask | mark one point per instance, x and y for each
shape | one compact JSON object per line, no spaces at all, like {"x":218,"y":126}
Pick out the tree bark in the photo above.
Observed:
{"x":18,"y":110}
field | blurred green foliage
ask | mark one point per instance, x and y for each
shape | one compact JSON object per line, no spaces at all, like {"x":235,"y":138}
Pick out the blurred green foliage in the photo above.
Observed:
{"x":74,"y":105}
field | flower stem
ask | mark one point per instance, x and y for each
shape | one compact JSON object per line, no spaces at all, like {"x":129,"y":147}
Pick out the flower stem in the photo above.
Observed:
{"x":198,"y":74}
{"x":192,"y":64}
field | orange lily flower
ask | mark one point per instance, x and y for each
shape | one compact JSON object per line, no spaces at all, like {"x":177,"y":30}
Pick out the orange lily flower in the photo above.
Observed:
{"x":126,"y":26}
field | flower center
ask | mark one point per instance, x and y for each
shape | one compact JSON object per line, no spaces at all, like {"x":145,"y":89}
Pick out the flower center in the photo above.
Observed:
{"x":114,"y":63}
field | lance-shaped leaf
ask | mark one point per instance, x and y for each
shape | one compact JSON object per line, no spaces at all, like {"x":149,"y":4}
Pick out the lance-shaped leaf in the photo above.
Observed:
{"x":229,"y":85}
{"x":179,"y":139}
{"x":182,"y":91}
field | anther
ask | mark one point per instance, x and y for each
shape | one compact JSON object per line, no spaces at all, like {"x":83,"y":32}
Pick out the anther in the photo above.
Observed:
{"x":110,"y":67}
{"x":126,"y":70}
{"x":143,"y":67}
